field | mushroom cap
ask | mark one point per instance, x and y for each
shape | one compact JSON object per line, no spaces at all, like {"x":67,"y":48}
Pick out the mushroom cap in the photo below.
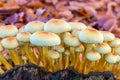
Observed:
{"x":80,"y":48}
{"x":59,"y":48}
{"x":117,"y":50}
{"x":115,"y":42}
{"x":9,"y":42}
{"x":77,"y":25}
{"x":108,"y":36}
{"x":76,"y":32}
{"x":71,"y":40}
{"x":90,"y":35}
{"x":54,"y":54}
{"x":93,"y":55}
{"x":111,"y":58}
{"x":8,"y":30}
{"x":103,"y":48}
{"x":44,"y":38}
{"x":57,"y":26}
{"x":1,"y":47}
{"x":23,"y":36}
{"x":34,"y":26}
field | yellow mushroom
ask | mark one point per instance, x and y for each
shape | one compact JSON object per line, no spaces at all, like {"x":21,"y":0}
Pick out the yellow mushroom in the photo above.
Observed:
{"x":89,"y":37}
{"x":67,"y":59}
{"x":72,"y":41}
{"x":24,"y":37}
{"x":103,"y":49}
{"x":44,"y":40}
{"x":3,"y":60}
{"x":92,"y":56}
{"x":111,"y":59}
{"x":11,"y":43}
{"x":54,"y":55}
{"x":60,"y":49}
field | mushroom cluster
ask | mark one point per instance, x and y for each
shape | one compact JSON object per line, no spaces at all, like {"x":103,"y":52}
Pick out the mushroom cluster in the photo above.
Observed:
{"x":57,"y":44}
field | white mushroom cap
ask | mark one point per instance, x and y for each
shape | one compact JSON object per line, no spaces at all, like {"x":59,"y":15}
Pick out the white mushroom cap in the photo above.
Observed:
{"x":93,"y":55}
{"x":1,"y":47}
{"x":67,"y":52}
{"x":9,"y":42}
{"x":8,"y":30}
{"x":59,"y":48}
{"x":44,"y":38}
{"x":90,"y":35}
{"x":23,"y":36}
{"x":103,"y":48}
{"x":115,"y":42}
{"x":111,"y":58}
{"x":71,"y":40}
{"x":117,"y":50}
{"x":34,"y":26}
{"x":77,"y":25}
{"x":80,"y":48}
{"x":108,"y":36}
{"x":76,"y":32}
{"x":54,"y":54}
{"x":57,"y":26}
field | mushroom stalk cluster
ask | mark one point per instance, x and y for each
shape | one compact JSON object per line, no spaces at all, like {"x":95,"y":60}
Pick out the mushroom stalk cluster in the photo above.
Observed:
{"x":57,"y":44}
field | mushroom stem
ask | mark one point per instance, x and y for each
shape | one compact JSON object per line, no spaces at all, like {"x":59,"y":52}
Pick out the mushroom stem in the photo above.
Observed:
{"x":109,"y":67}
{"x":31,"y":57}
{"x":77,"y":60}
{"x":91,"y":66}
{"x":66,"y":61}
{"x":4,"y":62}
{"x":101,"y":62}
{"x":72,"y":56}
{"x":44,"y":56}
{"x":15,"y":57}
{"x":88,"y":48}
{"x":1,"y":71}
{"x":60,"y":61}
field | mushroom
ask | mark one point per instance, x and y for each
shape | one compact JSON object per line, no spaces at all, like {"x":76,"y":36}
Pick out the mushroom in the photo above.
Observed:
{"x":75,"y":32}
{"x":89,"y":37}
{"x":79,"y":50}
{"x":108,"y":36}
{"x":11,"y":43}
{"x":54,"y":55}
{"x":92,"y":56}
{"x":8,"y":30}
{"x":114,"y":43}
{"x":34,"y":26}
{"x":110,"y":59}
{"x":67,"y":58}
{"x":44,"y":39}
{"x":57,"y":26}
{"x":72,"y":41}
{"x":24,"y":37}
{"x":77,"y":26}
{"x":103,"y":49}
{"x":3,"y":60}
{"x":60,"y":49}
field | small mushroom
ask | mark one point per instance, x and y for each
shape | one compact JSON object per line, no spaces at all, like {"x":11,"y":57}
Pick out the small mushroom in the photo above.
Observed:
{"x":44,"y":40}
{"x":8,"y":30}
{"x":3,"y":61}
{"x":34,"y":26}
{"x":11,"y":43}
